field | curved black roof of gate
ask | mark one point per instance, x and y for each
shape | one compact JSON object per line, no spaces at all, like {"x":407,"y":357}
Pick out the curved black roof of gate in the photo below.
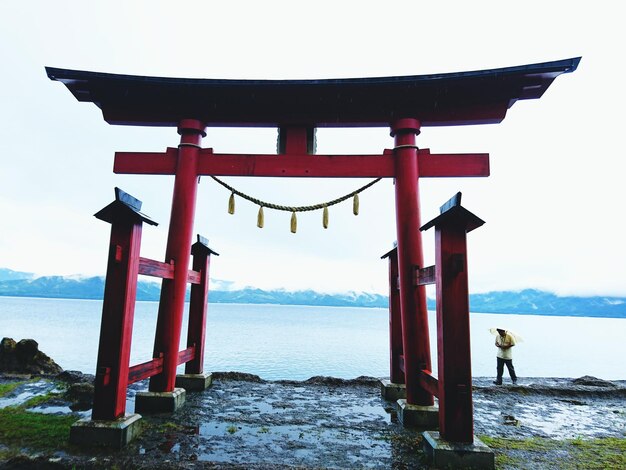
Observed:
{"x":476,"y":97}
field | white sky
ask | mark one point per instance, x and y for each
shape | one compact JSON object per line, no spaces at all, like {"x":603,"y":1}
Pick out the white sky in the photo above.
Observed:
{"x":554,"y":215}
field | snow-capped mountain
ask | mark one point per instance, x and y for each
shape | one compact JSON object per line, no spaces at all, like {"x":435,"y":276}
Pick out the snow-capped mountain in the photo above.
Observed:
{"x":529,"y":301}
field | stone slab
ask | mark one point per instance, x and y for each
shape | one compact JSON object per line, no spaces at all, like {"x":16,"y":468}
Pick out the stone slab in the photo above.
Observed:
{"x":445,"y":454}
{"x":103,"y":433}
{"x":416,"y":416}
{"x":159,"y":402}
{"x":391,"y":391}
{"x":194,"y":382}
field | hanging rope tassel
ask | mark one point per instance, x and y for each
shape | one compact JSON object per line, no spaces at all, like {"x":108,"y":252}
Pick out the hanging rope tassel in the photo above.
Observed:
{"x":260,"y":219}
{"x":231,"y":203}
{"x":294,"y":222}
{"x":325,"y":217}
{"x":355,"y":205}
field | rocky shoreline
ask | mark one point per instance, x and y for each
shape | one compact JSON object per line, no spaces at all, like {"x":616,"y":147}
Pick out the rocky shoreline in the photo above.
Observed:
{"x":242,"y":421}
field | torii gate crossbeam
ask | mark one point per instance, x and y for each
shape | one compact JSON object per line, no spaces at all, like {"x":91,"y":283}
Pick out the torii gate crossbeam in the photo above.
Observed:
{"x":288,"y":165}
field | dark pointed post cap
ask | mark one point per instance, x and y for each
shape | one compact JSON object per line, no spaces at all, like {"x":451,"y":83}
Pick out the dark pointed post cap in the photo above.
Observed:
{"x":202,"y":247}
{"x":453,"y":215}
{"x":124,"y":208}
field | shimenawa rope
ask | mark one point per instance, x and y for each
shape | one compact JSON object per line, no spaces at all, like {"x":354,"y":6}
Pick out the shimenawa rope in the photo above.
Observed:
{"x":293,"y":209}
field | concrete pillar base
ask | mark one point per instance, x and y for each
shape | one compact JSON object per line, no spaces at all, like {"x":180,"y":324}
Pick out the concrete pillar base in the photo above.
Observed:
{"x":159,"y":402}
{"x":115,"y":433}
{"x":445,"y":454}
{"x":194,"y":382}
{"x":416,"y":416}
{"x":391,"y":391}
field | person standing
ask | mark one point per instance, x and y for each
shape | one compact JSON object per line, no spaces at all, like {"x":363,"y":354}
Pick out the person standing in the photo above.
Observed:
{"x":504,"y":342}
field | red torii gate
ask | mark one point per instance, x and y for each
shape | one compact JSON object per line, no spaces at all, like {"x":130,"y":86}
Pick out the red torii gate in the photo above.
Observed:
{"x":296,"y":108}
{"x":402,"y":162}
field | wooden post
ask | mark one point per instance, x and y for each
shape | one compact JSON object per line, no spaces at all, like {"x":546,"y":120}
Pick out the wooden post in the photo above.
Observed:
{"x":415,"y":340}
{"x":456,"y":422}
{"x":119,"y":305}
{"x":196,"y":330}
{"x":396,"y":374}
{"x":173,"y":291}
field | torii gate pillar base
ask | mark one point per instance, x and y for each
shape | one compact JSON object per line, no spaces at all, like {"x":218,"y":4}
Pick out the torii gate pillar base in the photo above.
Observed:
{"x":159,"y":402}
{"x":194,"y":382}
{"x":106,"y":433}
{"x":446,"y":454}
{"x":417,"y":416}
{"x":392,"y":391}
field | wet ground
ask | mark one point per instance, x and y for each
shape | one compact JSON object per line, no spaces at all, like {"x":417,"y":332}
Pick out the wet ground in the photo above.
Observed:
{"x":551,"y":408}
{"x":295,"y":424}
{"x":243,"y":422}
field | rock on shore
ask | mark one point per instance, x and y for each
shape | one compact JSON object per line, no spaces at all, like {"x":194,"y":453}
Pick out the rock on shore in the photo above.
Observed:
{"x":24,"y":357}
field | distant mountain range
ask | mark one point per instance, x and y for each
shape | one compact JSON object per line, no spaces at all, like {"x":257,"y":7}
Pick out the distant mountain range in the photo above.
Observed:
{"x":20,"y":284}
{"x":528,"y":301}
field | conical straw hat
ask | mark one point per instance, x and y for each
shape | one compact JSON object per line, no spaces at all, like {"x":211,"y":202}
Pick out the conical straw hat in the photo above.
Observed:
{"x":516,"y":337}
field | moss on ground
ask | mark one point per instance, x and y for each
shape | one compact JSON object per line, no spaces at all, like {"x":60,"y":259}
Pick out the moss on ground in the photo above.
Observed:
{"x":169,"y":427}
{"x":34,"y":430}
{"x":609,"y":452}
{"x":570,"y":454}
{"x":39,"y":400}
{"x":27,"y":429}
{"x":7,"y":388}
{"x":533,"y":444}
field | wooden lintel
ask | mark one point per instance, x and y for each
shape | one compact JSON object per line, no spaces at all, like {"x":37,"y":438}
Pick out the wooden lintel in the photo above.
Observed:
{"x":432,"y":165}
{"x":149,"y":163}
{"x":294,"y":165}
{"x":186,"y":355}
{"x":150,"y":267}
{"x":425,"y":276}
{"x":194,"y":277}
{"x":428,"y":382}
{"x":145,"y":370}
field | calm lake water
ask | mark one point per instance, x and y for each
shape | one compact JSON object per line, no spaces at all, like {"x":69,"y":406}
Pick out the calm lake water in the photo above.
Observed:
{"x":298,"y":342}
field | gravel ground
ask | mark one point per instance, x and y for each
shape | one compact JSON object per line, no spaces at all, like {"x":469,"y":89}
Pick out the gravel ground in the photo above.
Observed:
{"x":244,"y":422}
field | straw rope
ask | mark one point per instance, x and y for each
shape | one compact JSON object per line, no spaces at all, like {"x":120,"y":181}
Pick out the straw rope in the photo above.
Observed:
{"x":293,"y":209}
{"x":280,"y":207}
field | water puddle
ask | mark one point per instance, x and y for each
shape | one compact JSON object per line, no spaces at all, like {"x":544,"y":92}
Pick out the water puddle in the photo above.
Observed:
{"x":28,"y":390}
{"x":304,"y":443}
{"x":51,"y":410}
{"x":562,"y":421}
{"x":24,"y":392}
{"x":258,"y":407}
{"x":358,"y":412}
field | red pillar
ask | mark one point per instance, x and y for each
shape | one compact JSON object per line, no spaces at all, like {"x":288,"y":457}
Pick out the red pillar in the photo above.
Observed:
{"x":118,"y":308}
{"x":198,"y":306}
{"x":396,"y":375}
{"x":172,"y":303}
{"x":456,"y":421}
{"x":416,"y":344}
